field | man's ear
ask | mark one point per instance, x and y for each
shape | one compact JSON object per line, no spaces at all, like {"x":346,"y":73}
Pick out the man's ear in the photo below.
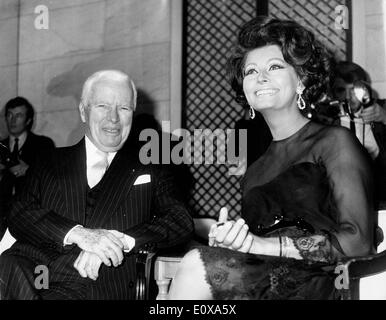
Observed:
{"x":82,"y":111}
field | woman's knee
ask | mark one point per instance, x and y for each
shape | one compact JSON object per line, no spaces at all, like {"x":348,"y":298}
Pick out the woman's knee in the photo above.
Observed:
{"x":190,"y":280}
{"x":190,"y":266}
{"x":193,"y":256}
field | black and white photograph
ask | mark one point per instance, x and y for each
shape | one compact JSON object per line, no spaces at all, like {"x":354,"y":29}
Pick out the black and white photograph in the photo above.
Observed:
{"x":190,"y":154}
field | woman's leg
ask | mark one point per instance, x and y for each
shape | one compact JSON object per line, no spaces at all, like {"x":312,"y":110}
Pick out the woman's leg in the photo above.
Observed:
{"x":190,"y":280}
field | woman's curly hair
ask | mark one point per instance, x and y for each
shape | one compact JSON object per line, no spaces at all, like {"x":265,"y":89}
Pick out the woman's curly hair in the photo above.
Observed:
{"x":300,"y":49}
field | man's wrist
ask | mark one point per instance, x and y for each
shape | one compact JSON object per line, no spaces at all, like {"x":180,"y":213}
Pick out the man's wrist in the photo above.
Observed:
{"x":70,"y":237}
{"x":129,"y":243}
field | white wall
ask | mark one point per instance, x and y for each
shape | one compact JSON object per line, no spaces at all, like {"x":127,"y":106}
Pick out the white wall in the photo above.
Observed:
{"x":8,"y":53}
{"x":84,"y":36}
{"x":369,"y":40}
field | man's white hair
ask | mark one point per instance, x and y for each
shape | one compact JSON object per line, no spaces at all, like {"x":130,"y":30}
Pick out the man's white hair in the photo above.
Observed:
{"x":113,"y":75}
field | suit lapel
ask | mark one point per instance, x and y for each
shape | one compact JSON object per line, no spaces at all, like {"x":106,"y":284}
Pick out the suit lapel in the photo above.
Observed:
{"x":28,"y":141}
{"x":6,"y":142}
{"x":25,"y":147}
{"x":115,"y":184}
{"x":73,"y":180}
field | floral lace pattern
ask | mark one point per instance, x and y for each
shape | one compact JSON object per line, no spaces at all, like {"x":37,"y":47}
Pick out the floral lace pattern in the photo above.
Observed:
{"x":314,"y":248}
{"x":237,"y":276}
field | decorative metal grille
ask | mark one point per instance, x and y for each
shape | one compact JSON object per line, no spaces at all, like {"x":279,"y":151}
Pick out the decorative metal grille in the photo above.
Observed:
{"x":318,"y":16}
{"x":211,"y":31}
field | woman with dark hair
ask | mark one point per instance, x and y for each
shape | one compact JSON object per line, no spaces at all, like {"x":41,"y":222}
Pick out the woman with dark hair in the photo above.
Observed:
{"x":307,"y":202}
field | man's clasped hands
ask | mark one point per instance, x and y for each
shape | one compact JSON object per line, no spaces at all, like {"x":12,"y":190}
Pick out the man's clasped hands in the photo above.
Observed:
{"x":98,"y":246}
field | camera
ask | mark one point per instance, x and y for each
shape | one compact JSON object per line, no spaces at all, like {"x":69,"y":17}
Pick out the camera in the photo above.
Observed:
{"x":362,"y":92}
{"x":5,"y":156}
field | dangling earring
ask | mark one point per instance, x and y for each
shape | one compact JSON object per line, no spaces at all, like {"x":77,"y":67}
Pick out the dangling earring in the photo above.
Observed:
{"x":251,"y":112}
{"x":301,"y":103}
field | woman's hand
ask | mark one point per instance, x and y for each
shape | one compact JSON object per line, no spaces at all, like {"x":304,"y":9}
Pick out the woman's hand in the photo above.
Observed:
{"x":222,"y":219}
{"x":232,"y":235}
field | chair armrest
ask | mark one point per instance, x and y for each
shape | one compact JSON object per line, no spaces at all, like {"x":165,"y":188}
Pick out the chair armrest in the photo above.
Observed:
{"x":360,"y":267}
{"x":144,"y":258}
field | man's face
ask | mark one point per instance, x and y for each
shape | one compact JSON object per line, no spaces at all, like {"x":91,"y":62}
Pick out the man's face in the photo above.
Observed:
{"x":344,"y":91}
{"x":17,"y":121}
{"x":108,"y":114}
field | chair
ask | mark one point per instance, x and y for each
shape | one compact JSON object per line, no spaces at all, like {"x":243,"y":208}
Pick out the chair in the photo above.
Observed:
{"x":365,"y":277}
{"x":166,"y":264}
{"x":143,"y":267}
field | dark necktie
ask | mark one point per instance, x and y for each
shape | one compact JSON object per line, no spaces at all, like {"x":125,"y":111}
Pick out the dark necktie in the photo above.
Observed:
{"x":15,"y":151}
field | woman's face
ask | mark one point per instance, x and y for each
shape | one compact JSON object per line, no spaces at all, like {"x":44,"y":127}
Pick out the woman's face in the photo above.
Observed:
{"x":269,"y":81}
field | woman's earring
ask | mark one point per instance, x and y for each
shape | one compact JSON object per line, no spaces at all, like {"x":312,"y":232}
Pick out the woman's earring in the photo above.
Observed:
{"x":251,"y":112}
{"x":301,"y":103}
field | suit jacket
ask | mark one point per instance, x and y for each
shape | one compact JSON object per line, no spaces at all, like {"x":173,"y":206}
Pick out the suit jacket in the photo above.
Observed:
{"x":54,"y":200}
{"x":34,"y":146}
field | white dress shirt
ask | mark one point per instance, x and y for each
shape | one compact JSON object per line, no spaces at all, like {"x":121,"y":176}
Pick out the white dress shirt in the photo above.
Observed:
{"x":93,"y":157}
{"x":22,"y":138}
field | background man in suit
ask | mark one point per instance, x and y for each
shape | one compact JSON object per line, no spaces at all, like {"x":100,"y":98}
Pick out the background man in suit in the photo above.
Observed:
{"x":18,"y":152}
{"x":23,"y":144}
{"x":88,"y":207}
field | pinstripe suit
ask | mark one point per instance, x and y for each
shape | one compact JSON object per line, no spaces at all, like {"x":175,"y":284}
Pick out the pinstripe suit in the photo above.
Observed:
{"x":54,"y":200}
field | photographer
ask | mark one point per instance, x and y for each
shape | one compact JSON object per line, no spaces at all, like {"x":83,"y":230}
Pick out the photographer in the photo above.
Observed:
{"x":367,"y":122}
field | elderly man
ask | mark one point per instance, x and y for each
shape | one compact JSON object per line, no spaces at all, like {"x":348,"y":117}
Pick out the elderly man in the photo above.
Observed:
{"x":87,"y":208}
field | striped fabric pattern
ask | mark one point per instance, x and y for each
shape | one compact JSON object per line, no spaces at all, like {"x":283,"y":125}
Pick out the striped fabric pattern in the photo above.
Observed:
{"x":55,"y":199}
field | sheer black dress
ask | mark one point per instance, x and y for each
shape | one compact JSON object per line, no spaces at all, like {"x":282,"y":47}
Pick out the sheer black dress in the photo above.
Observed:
{"x":322,"y":175}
